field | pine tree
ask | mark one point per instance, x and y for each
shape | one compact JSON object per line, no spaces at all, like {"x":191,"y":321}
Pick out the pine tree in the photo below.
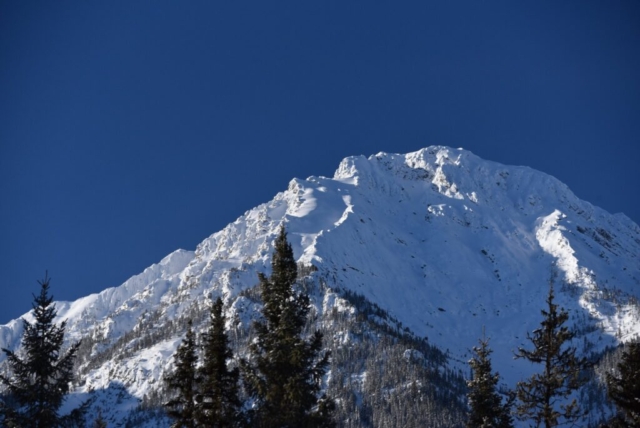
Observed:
{"x":541,"y":396}
{"x":624,"y":388}
{"x":41,"y":376}
{"x":182,"y":383}
{"x":486,"y":407}
{"x":218,"y":403}
{"x":285,"y":371}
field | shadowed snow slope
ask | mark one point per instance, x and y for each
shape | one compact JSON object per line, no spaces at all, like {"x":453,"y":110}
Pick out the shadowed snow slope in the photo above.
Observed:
{"x":442,"y":240}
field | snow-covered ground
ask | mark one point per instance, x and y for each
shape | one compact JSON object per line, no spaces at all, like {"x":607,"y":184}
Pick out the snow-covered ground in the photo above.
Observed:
{"x":444,"y":241}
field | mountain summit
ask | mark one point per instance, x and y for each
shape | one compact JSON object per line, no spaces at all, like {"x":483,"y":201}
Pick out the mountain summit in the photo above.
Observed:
{"x":439,"y":244}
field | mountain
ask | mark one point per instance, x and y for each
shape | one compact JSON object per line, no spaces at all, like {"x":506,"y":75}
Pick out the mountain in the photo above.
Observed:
{"x":413,"y":254}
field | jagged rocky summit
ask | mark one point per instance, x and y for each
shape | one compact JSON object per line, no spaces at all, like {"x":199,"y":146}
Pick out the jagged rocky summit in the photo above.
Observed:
{"x":439,"y":242}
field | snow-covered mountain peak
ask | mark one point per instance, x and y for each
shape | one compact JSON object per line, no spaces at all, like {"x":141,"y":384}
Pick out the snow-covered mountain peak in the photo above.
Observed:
{"x":454,"y":173}
{"x":435,"y":199}
{"x":415,"y":216}
{"x":440,"y":239}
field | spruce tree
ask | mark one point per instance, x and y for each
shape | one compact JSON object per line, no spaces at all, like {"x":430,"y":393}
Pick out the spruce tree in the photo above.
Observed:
{"x":285,"y":371}
{"x":218,"y":403}
{"x":624,"y":387}
{"x":486,"y":407}
{"x":40,"y":376}
{"x":542,"y":397}
{"x":182,"y":383}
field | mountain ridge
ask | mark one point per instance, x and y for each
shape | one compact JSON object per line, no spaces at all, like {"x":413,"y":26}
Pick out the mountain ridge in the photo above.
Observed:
{"x":441,"y":240}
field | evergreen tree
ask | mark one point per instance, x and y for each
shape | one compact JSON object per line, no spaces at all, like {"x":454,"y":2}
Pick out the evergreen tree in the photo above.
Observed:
{"x":541,"y":396}
{"x":486,"y":407}
{"x":624,"y":388}
{"x":41,"y":376}
{"x":182,"y":383}
{"x":285,"y":371}
{"x":218,"y":403}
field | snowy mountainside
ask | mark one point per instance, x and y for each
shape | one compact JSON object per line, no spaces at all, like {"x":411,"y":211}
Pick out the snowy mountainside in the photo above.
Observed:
{"x":114,"y":311}
{"x":441,"y":240}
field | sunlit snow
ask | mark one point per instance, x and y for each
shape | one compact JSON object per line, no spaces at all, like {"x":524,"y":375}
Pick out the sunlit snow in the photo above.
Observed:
{"x":444,"y":241}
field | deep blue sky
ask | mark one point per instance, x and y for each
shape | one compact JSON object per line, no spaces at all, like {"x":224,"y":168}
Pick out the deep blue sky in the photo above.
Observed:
{"x":131,"y":129}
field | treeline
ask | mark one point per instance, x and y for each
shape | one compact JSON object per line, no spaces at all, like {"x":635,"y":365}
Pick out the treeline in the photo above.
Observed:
{"x":549,"y":398}
{"x":362,"y":370}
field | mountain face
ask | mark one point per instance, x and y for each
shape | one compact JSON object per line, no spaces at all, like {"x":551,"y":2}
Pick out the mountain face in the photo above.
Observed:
{"x":415,"y":254}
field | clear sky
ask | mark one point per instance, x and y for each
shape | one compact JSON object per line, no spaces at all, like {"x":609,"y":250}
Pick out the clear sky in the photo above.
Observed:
{"x":129,"y":129}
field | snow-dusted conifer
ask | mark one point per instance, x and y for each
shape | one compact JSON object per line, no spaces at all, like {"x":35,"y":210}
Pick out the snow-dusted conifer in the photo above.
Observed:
{"x":182,"y":383}
{"x":485,"y":403}
{"x":218,"y":403}
{"x":624,"y":387}
{"x":41,"y":377}
{"x":539,"y":397}
{"x":285,"y":370}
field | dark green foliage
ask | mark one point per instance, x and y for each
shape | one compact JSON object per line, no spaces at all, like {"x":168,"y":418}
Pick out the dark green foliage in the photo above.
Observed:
{"x":486,"y":407}
{"x":182,"y":383}
{"x":41,"y":376}
{"x":624,"y":387}
{"x":285,"y":371}
{"x":541,"y":396}
{"x":218,"y":403}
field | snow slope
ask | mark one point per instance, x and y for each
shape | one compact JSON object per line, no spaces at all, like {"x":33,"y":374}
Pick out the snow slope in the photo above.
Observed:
{"x":442,"y":240}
